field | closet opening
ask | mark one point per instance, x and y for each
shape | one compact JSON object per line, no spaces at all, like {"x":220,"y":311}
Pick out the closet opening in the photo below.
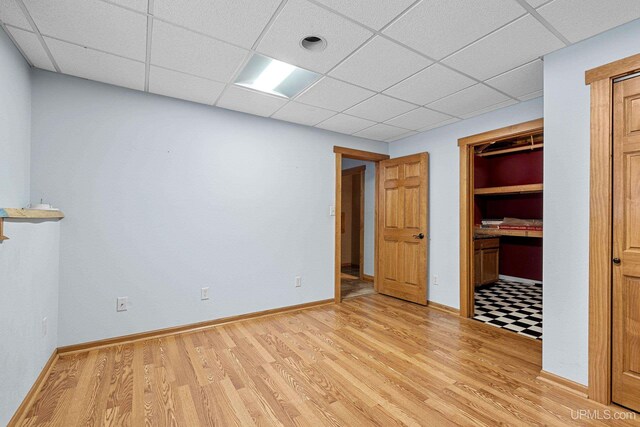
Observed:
{"x":502,"y":199}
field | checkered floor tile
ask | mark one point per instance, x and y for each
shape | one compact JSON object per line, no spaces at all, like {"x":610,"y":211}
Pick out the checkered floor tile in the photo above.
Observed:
{"x":513,"y":306}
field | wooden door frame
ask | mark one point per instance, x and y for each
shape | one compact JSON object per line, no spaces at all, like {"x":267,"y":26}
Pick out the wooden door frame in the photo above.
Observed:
{"x":358,"y":170}
{"x":350,"y":153}
{"x":601,"y":223}
{"x":466,"y":202}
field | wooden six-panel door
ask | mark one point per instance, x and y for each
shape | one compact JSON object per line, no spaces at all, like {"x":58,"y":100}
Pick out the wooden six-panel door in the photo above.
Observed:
{"x":402,"y":230}
{"x":626,"y":245}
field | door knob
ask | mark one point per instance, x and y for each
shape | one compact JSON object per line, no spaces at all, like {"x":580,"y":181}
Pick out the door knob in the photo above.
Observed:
{"x":419,"y":236}
{"x":616,"y":261}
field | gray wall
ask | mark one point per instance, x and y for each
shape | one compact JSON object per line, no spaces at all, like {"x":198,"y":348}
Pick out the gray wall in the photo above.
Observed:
{"x":29,"y":260}
{"x":369,"y":211}
{"x":566,"y":196}
{"x":164,"y":197}
{"x":444,"y":190}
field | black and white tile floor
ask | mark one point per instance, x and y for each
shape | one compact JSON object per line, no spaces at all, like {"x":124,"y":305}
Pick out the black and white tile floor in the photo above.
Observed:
{"x":513,"y":306}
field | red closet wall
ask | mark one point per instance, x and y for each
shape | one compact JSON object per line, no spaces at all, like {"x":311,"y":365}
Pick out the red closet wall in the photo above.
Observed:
{"x":519,"y":256}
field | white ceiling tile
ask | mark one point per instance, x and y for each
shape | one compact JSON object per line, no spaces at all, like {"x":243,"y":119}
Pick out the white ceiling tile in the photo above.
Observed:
{"x":300,"y":19}
{"x":468,"y":100}
{"x":93,"y":65}
{"x":380,"y":108}
{"x":139,"y":5}
{"x":93,"y":24}
{"x":418,"y":118}
{"x":10,"y":13}
{"x":430,"y":84}
{"x":31,"y":46}
{"x":438,"y":28}
{"x":344,"y":123}
{"x":248,"y":101}
{"x":379,"y":64}
{"x":520,"y":81}
{"x":537,"y":3}
{"x":302,"y":114}
{"x":519,"y":42}
{"x":238,"y":21}
{"x":334,"y":95}
{"x":381,"y":132}
{"x":532,"y":95}
{"x":186,"y":51}
{"x":372,"y":13}
{"x":579,"y":19}
{"x":490,"y":108}
{"x":437,"y":125}
{"x":402,"y":136}
{"x":183,"y":86}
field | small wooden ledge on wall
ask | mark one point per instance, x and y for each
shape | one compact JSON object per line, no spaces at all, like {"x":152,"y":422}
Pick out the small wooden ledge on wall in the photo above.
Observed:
{"x":17,"y":213}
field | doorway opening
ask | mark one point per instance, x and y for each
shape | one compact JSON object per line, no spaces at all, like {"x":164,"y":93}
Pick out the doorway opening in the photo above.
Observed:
{"x":501,"y":236}
{"x":357,"y":227}
{"x":356,"y":248}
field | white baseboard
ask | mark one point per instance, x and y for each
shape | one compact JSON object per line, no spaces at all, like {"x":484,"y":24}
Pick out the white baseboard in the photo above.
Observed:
{"x":518,"y":279}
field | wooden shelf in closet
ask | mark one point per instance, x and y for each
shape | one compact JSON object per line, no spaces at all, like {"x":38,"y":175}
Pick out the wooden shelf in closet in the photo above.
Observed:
{"x":17,"y":213}
{"x":502,"y":232}
{"x":510,"y":189}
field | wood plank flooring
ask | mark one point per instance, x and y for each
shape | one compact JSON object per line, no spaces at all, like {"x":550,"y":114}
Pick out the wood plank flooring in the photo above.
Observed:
{"x":371,"y":360}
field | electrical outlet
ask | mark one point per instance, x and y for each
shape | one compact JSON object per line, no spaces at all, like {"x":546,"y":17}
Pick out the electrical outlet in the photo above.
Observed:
{"x":44,"y":327}
{"x":122,"y":303}
{"x":204,"y":293}
{"x":332,"y":211}
{"x":298,"y":281}
{"x":435,"y":279}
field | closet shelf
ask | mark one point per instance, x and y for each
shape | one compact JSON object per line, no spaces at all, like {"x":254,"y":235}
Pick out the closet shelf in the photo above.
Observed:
{"x":502,"y":232}
{"x":30,"y":213}
{"x":17,"y":213}
{"x":511,"y":189}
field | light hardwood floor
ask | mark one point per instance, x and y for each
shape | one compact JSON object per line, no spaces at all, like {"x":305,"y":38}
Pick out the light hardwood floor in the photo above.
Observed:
{"x":371,"y":360}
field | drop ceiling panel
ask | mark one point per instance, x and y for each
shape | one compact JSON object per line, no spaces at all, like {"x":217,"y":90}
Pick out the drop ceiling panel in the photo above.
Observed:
{"x":372,"y":13}
{"x":381,"y":132}
{"x":31,"y":46}
{"x":139,"y":5}
{"x":183,"y":86}
{"x":428,"y":85}
{"x":380,"y":64}
{"x":520,"y":81}
{"x":239,"y":21}
{"x":536,"y":3}
{"x":344,"y":123}
{"x":300,"y":19}
{"x":380,"y":108}
{"x":519,"y":42}
{"x":10,"y":13}
{"x":490,"y":108}
{"x":438,"y":28}
{"x":401,"y":136}
{"x":334,"y":95}
{"x":182,"y":50}
{"x":248,"y":101}
{"x":418,"y":119}
{"x":437,"y":125}
{"x":579,"y":19}
{"x":468,"y":100}
{"x":302,"y":114}
{"x":93,"y":24}
{"x":532,"y":95}
{"x":93,"y":65}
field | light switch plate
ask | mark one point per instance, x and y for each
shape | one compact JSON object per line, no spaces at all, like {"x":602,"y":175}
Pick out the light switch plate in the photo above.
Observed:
{"x":122,"y":303}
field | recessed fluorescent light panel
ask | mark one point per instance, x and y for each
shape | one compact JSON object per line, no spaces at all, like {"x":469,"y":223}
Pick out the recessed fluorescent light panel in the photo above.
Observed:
{"x":275,"y":77}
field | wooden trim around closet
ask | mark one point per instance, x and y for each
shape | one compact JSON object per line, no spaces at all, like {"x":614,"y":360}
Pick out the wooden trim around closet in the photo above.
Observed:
{"x":613,"y":69}
{"x":467,"y":145}
{"x":352,"y":153}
